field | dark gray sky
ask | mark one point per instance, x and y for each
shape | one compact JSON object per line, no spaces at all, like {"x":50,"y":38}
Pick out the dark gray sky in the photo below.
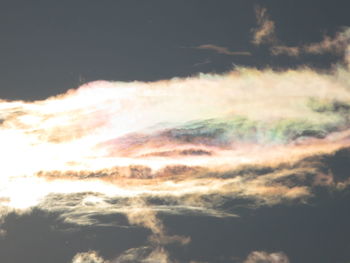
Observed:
{"x":48,"y":47}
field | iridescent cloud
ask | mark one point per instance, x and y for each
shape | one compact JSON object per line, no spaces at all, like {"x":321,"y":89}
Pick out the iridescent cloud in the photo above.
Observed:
{"x":179,"y":146}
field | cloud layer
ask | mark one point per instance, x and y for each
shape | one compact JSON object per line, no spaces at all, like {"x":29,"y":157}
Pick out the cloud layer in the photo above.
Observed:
{"x":191,"y":146}
{"x":175,"y":137}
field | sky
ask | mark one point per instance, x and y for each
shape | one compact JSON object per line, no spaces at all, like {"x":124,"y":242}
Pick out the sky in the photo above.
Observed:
{"x":174,"y":131}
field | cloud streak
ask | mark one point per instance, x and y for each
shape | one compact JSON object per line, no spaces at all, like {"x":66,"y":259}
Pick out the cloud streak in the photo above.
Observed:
{"x":337,"y":45}
{"x":265,"y":34}
{"x":223,"y":50}
{"x":262,"y":256}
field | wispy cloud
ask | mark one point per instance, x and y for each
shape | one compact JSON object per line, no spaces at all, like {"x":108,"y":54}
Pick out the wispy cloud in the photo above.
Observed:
{"x":337,"y":45}
{"x":145,"y":254}
{"x":223,"y":50}
{"x":265,"y":34}
{"x":205,"y":62}
{"x":262,"y":256}
{"x":88,"y":257}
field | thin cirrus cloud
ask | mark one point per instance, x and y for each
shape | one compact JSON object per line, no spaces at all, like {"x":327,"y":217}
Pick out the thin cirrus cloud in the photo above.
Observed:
{"x":265,"y":34}
{"x":337,"y":45}
{"x":201,"y":63}
{"x":262,"y":256}
{"x":145,"y":254}
{"x":223,"y":50}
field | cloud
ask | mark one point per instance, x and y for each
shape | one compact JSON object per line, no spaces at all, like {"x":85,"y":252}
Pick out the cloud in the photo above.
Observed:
{"x":223,"y":50}
{"x":183,"y":146}
{"x":88,"y":257}
{"x":130,"y":140}
{"x":337,"y":45}
{"x":142,"y":214}
{"x":264,"y":257}
{"x":179,"y":146}
{"x":204,"y":62}
{"x":200,"y":192}
{"x":285,"y":50}
{"x":265,"y":32}
{"x":144,"y":255}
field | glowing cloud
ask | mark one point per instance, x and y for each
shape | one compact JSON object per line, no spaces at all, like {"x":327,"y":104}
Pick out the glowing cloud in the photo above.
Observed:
{"x":176,"y":146}
{"x":88,"y":257}
{"x":174,"y":136}
{"x":261,"y":256}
